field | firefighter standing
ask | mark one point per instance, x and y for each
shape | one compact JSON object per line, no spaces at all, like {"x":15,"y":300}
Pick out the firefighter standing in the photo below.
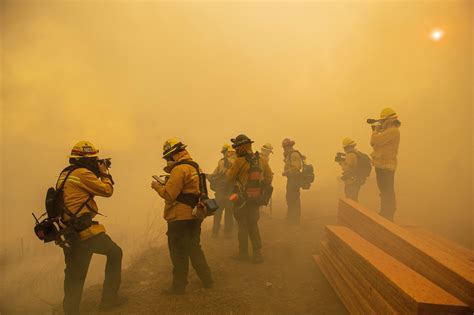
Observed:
{"x":352,"y":182}
{"x":181,"y":194}
{"x":223,"y":191}
{"x":385,"y":142}
{"x":87,"y":177}
{"x":252,"y":176}
{"x":293,"y":167}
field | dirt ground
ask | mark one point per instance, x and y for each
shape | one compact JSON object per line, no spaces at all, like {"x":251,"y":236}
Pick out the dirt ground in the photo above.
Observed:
{"x":288,"y":282}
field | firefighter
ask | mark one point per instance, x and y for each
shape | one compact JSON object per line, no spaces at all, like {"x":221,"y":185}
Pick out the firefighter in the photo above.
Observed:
{"x":385,"y":142}
{"x":252,"y":178}
{"x":181,"y":194}
{"x":223,"y":191}
{"x":352,"y":182}
{"x":265,"y":152}
{"x":293,"y":168}
{"x":87,"y":177}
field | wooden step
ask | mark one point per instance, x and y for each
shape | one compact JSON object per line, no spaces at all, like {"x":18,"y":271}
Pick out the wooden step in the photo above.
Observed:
{"x":443,"y":244}
{"x":357,"y":282}
{"x":351,"y":301}
{"x":452,"y":273}
{"x":404,"y":289}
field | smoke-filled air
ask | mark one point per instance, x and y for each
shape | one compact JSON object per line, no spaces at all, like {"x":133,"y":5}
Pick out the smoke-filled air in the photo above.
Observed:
{"x":385,"y":226}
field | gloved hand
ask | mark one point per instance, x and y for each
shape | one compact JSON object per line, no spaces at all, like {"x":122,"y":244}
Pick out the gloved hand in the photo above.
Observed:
{"x":155,"y":185}
{"x":103,"y":169}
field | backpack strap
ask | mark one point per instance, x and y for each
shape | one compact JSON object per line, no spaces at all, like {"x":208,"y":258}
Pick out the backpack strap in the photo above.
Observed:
{"x":71,"y":214}
{"x":191,"y":199}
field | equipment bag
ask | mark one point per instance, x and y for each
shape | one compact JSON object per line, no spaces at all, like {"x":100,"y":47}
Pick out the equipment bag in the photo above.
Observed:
{"x":256,"y":190}
{"x":364,"y":166}
{"x":49,"y":229}
{"x":208,"y":205}
{"x":307,"y":173}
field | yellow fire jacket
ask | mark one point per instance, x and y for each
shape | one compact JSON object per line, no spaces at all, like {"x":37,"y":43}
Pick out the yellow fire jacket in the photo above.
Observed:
{"x":349,"y":167}
{"x":293,"y":163}
{"x":221,"y":167}
{"x":183,"y":178}
{"x":80,"y":185}
{"x":239,"y":172}
{"x":385,"y":144}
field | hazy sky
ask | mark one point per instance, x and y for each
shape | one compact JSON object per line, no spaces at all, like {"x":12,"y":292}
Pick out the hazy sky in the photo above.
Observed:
{"x":127,"y":75}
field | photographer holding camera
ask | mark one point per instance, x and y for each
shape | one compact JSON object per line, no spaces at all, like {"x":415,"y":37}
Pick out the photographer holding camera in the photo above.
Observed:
{"x":184,"y":214}
{"x":85,"y":178}
{"x":385,"y":142}
{"x":350,"y":167}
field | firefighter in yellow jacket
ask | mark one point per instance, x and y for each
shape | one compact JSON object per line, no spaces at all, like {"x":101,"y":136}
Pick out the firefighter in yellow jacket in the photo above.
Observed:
{"x":85,"y":178}
{"x":181,"y":194}
{"x":293,"y":172}
{"x":252,"y":178}
{"x":349,"y":165}
{"x":385,"y":142}
{"x":223,"y":191}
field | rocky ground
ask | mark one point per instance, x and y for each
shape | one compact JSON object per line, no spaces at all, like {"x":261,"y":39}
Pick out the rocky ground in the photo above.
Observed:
{"x":288,"y":282}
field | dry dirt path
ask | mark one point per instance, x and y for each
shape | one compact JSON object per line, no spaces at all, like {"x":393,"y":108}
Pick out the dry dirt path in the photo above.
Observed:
{"x":297,"y":286}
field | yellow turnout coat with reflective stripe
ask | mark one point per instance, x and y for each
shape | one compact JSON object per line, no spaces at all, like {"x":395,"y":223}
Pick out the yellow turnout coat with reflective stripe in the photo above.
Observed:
{"x":81,"y":185}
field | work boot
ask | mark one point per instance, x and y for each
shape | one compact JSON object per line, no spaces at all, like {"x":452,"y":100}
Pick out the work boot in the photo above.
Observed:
{"x":109,"y":304}
{"x":257,"y":257}
{"x":208,"y":284}
{"x":241,"y":256}
{"x":173,"y":291}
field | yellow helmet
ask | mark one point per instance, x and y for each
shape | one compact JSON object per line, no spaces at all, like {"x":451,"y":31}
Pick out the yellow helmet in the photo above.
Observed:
{"x":227,"y":148}
{"x":388,"y":113}
{"x":348,"y":142}
{"x":267,"y":147}
{"x":172,"y":145}
{"x":83,"y":149}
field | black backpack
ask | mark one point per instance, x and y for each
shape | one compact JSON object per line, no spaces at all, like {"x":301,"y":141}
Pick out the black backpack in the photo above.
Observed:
{"x":364,"y":166}
{"x":54,"y":202}
{"x":210,"y":205}
{"x":307,"y":173}
{"x":49,"y":229}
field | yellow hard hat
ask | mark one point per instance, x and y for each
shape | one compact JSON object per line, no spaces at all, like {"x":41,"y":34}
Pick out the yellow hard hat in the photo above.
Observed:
{"x":388,"y":113}
{"x":84,"y":149}
{"x":267,"y":147}
{"x":172,"y":145}
{"x":348,"y":142}
{"x":227,"y":148}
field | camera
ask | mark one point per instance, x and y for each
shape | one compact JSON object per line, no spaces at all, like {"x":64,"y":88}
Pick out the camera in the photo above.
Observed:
{"x":373,"y":121}
{"x":107,"y":162}
{"x":340,"y":157}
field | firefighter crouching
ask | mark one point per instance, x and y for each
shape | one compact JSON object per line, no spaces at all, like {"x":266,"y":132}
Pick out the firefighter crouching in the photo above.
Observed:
{"x":223,"y":191}
{"x":181,"y":194}
{"x":87,"y":177}
{"x":252,"y":178}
